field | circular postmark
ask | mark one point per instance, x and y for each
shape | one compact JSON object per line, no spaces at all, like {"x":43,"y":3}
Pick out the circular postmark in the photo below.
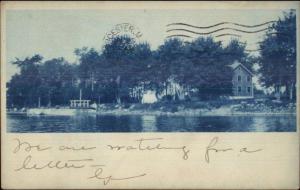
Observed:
{"x":123,"y":29}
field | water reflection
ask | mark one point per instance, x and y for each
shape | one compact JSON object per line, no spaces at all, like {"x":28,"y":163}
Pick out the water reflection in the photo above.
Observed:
{"x":147,"y":123}
{"x":110,"y":123}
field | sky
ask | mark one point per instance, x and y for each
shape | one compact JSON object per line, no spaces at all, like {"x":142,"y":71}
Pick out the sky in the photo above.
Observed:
{"x":57,"y":33}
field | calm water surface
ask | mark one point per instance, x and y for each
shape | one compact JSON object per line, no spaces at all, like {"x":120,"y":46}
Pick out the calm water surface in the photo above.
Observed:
{"x":147,"y":123}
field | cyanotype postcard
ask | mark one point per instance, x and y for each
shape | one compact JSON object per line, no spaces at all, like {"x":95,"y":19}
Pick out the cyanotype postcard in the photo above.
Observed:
{"x":149,"y":95}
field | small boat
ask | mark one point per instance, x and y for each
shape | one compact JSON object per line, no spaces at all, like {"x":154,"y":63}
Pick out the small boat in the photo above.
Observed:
{"x":16,"y":112}
{"x":58,"y":111}
{"x":51,"y":111}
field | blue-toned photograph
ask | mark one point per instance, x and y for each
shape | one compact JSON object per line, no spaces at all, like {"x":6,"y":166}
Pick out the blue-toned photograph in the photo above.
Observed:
{"x":112,"y":71}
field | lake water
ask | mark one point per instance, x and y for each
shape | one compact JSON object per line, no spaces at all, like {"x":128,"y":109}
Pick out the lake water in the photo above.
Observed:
{"x":149,"y":123}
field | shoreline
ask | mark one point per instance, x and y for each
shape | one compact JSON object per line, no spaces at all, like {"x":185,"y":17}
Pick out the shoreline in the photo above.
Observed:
{"x":160,"y":109}
{"x":206,"y":114}
{"x":160,"y":113}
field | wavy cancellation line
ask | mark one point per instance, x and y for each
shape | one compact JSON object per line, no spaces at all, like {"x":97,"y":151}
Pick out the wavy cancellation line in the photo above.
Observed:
{"x":187,"y":36}
{"x":225,"y":34}
{"x":221,"y":23}
{"x":221,"y":29}
{"x":179,"y":35}
{"x":228,"y":34}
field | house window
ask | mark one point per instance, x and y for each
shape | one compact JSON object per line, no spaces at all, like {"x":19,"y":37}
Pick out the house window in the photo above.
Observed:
{"x":239,"y":78}
{"x":248,"y":78}
{"x":249,"y":89}
{"x":239,"y":89}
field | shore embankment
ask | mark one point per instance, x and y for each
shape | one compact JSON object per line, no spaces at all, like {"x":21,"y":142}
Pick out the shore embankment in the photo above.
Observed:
{"x":198,"y":109}
{"x":208,"y":108}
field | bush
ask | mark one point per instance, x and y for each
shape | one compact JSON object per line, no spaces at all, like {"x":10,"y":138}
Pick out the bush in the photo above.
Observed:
{"x":174,"y":109}
{"x":167,"y":98}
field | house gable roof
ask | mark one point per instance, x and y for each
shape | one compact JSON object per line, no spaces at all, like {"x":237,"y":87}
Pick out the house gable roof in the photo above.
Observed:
{"x":236,"y":64}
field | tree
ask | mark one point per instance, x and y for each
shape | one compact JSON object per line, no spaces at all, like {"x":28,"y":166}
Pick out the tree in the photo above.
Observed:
{"x":42,"y":83}
{"x":91,"y":71}
{"x":22,"y":89}
{"x":278,"y":55}
{"x":126,"y":61}
{"x":235,"y":51}
{"x":140,"y":75}
{"x":57,"y":77}
{"x":208,"y":69}
{"x":169,"y":63}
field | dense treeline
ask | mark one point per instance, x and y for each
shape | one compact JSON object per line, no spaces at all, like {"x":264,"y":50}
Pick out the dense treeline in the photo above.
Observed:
{"x":278,"y":56}
{"x":123,"y":70}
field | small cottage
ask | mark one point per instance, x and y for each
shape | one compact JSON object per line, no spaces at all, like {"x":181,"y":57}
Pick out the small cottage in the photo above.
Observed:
{"x":242,"y":80}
